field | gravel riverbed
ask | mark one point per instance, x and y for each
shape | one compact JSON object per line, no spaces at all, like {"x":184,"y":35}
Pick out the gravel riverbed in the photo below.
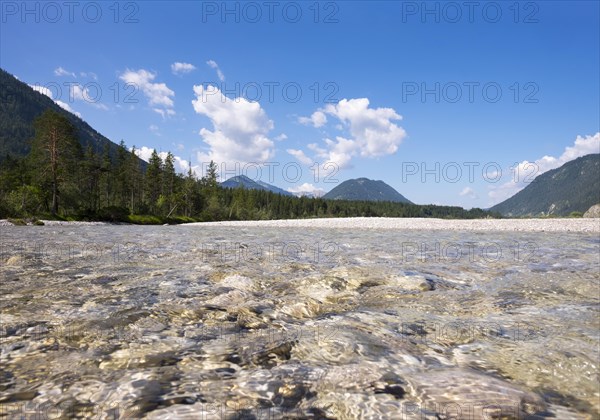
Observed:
{"x":376,"y":318}
{"x":529,"y":225}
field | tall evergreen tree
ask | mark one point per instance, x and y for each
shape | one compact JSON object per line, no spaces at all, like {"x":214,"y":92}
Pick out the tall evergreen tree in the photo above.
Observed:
{"x":106,"y":179}
{"x":169,"y":175}
{"x":91,"y":169}
{"x":135,"y":182}
{"x":153,"y":181}
{"x":189,"y":193}
{"x":121,"y":174}
{"x":169,"y":180}
{"x":55,"y":153}
{"x":210,"y":180}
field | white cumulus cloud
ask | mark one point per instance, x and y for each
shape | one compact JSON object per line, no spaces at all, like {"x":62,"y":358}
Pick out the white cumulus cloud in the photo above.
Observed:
{"x":372,"y":131}
{"x":144,"y":153}
{"x":526,"y":171}
{"x":182,"y":68}
{"x":240,"y":128}
{"x":340,"y":151}
{"x":62,"y":72}
{"x":371,"y":128}
{"x":300,"y":156}
{"x":160,"y":97}
{"x":79,"y":93}
{"x":213,"y":65}
{"x":89,"y":74}
{"x":164,"y":112}
{"x":468,"y":192}
{"x":307,"y":189}
{"x":317,"y":119}
{"x":45,"y":91}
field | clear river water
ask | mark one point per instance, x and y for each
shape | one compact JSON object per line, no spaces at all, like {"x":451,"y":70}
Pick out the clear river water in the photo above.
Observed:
{"x":195,"y":322}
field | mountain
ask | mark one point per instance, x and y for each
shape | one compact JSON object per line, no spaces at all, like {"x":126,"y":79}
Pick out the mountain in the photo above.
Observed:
{"x":20,"y":105}
{"x":308,"y":194}
{"x":366,"y":190}
{"x":575,"y":186}
{"x":273,"y":188}
{"x":250,"y":184}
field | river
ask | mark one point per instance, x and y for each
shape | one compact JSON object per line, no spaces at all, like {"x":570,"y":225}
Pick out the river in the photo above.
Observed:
{"x":203,"y":322}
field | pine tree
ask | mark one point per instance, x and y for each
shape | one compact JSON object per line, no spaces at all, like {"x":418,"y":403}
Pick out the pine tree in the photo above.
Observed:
{"x":55,"y":153}
{"x":121,"y":174}
{"x":135,"y":185}
{"x":90,"y":176}
{"x":169,"y":175}
{"x":169,"y":179}
{"x":106,"y":178}
{"x":153,"y":181}
{"x":191,"y":197}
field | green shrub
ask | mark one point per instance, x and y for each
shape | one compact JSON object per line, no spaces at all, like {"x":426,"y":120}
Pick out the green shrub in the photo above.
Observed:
{"x":142,"y":219}
{"x":180,"y":219}
{"x":18,"y":222}
{"x":113,"y":214}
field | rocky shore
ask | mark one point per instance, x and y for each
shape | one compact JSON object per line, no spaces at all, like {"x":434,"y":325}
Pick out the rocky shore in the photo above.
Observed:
{"x":525,"y":225}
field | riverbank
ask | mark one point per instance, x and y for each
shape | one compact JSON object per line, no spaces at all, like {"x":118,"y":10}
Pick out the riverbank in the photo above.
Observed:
{"x":528,"y":225}
{"x":22,"y":222}
{"x":133,"y":219}
{"x":515,"y":225}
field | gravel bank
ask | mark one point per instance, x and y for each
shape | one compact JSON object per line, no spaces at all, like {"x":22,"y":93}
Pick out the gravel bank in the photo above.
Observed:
{"x":4,"y":222}
{"x":529,"y":225}
{"x":510,"y":225}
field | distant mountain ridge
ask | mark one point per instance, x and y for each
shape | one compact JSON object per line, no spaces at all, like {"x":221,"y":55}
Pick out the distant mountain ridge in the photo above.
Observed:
{"x":573,"y":187}
{"x":20,"y":105}
{"x":364,"y":189}
{"x":240,"y":181}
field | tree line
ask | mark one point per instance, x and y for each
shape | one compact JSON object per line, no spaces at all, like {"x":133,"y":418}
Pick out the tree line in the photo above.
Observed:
{"x":58,"y":179}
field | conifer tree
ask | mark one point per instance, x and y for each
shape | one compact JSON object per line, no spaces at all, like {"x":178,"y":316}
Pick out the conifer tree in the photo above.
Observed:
{"x":55,"y":153}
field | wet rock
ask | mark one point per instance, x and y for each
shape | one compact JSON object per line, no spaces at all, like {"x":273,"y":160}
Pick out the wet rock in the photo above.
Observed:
{"x":104,"y":280}
{"x":289,"y":395}
{"x":270,"y":356}
{"x":319,"y":414}
{"x":306,"y":309}
{"x":442,"y":391}
{"x":24,"y":395}
{"x":593,"y":212}
{"x":247,"y":320}
{"x":7,"y":380}
{"x":15,"y":260}
{"x":416,"y":282}
{"x":238,"y":282}
{"x":394,"y":389}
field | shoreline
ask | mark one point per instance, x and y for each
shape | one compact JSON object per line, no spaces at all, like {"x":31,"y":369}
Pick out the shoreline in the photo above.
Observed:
{"x":507,"y":225}
{"x":586,"y":225}
{"x":6,"y":222}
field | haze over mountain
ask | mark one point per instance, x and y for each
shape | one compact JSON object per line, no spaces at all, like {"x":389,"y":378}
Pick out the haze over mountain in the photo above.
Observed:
{"x":20,"y":105}
{"x":575,"y":186}
{"x":365,"y":189}
{"x":249,"y":184}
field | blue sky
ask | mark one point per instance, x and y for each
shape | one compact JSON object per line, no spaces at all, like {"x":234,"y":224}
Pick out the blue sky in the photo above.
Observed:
{"x":438,"y":99}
